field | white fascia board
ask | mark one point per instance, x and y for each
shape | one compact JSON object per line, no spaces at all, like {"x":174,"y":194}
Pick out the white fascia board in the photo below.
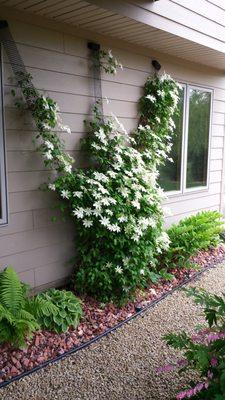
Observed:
{"x":152,"y":19}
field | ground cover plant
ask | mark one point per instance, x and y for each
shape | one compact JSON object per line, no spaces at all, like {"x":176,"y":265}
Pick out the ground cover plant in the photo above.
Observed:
{"x":67,"y":313}
{"x":204,"y":351}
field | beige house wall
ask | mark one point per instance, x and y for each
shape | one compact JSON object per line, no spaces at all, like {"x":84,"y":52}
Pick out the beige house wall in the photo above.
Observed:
{"x":36,"y":247}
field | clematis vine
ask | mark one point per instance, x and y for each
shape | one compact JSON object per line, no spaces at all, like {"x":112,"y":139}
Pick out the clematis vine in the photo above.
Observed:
{"x":116,"y":202}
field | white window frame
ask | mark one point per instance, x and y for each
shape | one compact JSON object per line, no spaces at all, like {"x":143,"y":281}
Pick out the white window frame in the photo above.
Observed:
{"x":184,"y":148}
{"x":3,"y":179}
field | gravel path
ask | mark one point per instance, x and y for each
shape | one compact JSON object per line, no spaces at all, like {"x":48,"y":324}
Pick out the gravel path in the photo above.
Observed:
{"x":122,"y":365}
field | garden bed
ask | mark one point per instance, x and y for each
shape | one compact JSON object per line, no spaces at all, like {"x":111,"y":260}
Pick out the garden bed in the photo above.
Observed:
{"x":97,"y":320}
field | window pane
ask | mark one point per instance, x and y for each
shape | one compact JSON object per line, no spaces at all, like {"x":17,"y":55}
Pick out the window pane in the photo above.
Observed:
{"x":169,"y":178}
{"x":198,"y":137}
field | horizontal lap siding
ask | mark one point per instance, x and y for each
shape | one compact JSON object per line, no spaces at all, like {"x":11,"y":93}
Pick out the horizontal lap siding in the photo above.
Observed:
{"x":60,"y":66}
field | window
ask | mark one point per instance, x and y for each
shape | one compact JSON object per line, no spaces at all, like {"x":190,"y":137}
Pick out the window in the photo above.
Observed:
{"x":170,"y":173}
{"x":3,"y":191}
{"x":190,"y":149}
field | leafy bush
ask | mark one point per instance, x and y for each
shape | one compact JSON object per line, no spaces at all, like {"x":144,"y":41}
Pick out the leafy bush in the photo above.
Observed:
{"x":67,"y":313}
{"x":21,"y":315}
{"x":204,"y":351}
{"x":190,"y":235}
{"x":17,"y":310}
{"x":15,"y":320}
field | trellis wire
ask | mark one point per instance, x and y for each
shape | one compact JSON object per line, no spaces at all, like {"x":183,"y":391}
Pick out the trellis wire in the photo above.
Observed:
{"x":11,"y":50}
{"x":96,"y":73}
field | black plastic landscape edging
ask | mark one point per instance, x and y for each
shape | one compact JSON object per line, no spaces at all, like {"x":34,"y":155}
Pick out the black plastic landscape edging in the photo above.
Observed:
{"x":114,"y":328}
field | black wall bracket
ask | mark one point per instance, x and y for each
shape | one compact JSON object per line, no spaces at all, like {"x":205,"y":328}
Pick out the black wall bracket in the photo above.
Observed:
{"x":3,"y":24}
{"x":93,"y":46}
{"x":156,"y":65}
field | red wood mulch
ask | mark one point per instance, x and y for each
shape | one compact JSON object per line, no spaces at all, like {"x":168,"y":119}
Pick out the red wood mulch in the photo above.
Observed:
{"x":46,"y":345}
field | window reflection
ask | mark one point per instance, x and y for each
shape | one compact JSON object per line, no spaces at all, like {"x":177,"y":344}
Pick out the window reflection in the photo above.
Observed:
{"x":198,"y":137}
{"x":170,"y":173}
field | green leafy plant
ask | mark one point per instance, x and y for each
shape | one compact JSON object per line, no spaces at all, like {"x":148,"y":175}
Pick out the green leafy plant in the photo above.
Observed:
{"x":116,"y":202}
{"x":21,"y":315}
{"x":203,"y":351}
{"x":190,"y":235}
{"x":157,"y":107}
{"x":16,"y":321}
{"x":67,"y":310}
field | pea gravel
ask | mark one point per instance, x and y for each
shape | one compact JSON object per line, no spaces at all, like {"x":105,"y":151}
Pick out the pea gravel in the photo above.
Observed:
{"x":123,"y":364}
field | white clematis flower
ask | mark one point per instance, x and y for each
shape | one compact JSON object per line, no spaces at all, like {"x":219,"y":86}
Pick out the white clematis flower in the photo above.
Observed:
{"x":48,"y":155}
{"x":78,"y":194}
{"x":65,"y":194}
{"x":151,"y":98}
{"x":87,"y":223}
{"x":78,"y":212}
{"x":51,"y":186}
{"x":49,"y":145}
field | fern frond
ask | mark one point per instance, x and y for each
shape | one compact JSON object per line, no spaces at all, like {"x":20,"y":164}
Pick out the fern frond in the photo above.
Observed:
{"x":26,"y":315}
{"x":11,"y":292}
{"x":5,"y":314}
{"x":6,"y":331}
{"x":40,"y":307}
{"x":23,"y":328}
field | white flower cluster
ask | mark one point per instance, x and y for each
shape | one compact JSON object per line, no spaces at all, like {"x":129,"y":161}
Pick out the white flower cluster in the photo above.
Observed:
{"x":121,"y":199}
{"x":126,"y":262}
{"x":163,"y":242}
{"x":50,"y":147}
{"x":108,"y":62}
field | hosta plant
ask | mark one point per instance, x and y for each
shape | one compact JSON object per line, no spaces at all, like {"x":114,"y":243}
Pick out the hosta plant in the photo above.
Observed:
{"x":204,"y":351}
{"x":68,"y":310}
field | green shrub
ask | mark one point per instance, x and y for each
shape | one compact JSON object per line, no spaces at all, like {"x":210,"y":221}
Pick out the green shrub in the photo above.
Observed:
{"x":190,"y":235}
{"x":17,"y":319}
{"x":16,"y":322}
{"x":21,"y":315}
{"x":68,"y":310}
{"x":204,"y":351}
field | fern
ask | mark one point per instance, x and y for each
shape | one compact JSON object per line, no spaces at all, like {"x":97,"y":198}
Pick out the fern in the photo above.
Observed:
{"x":16,"y":321}
{"x":194,"y":233}
{"x":41,"y":307}
{"x":11,"y":292}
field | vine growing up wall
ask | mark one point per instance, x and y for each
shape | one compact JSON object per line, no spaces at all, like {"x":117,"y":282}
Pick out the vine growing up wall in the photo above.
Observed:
{"x":116,"y":202}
